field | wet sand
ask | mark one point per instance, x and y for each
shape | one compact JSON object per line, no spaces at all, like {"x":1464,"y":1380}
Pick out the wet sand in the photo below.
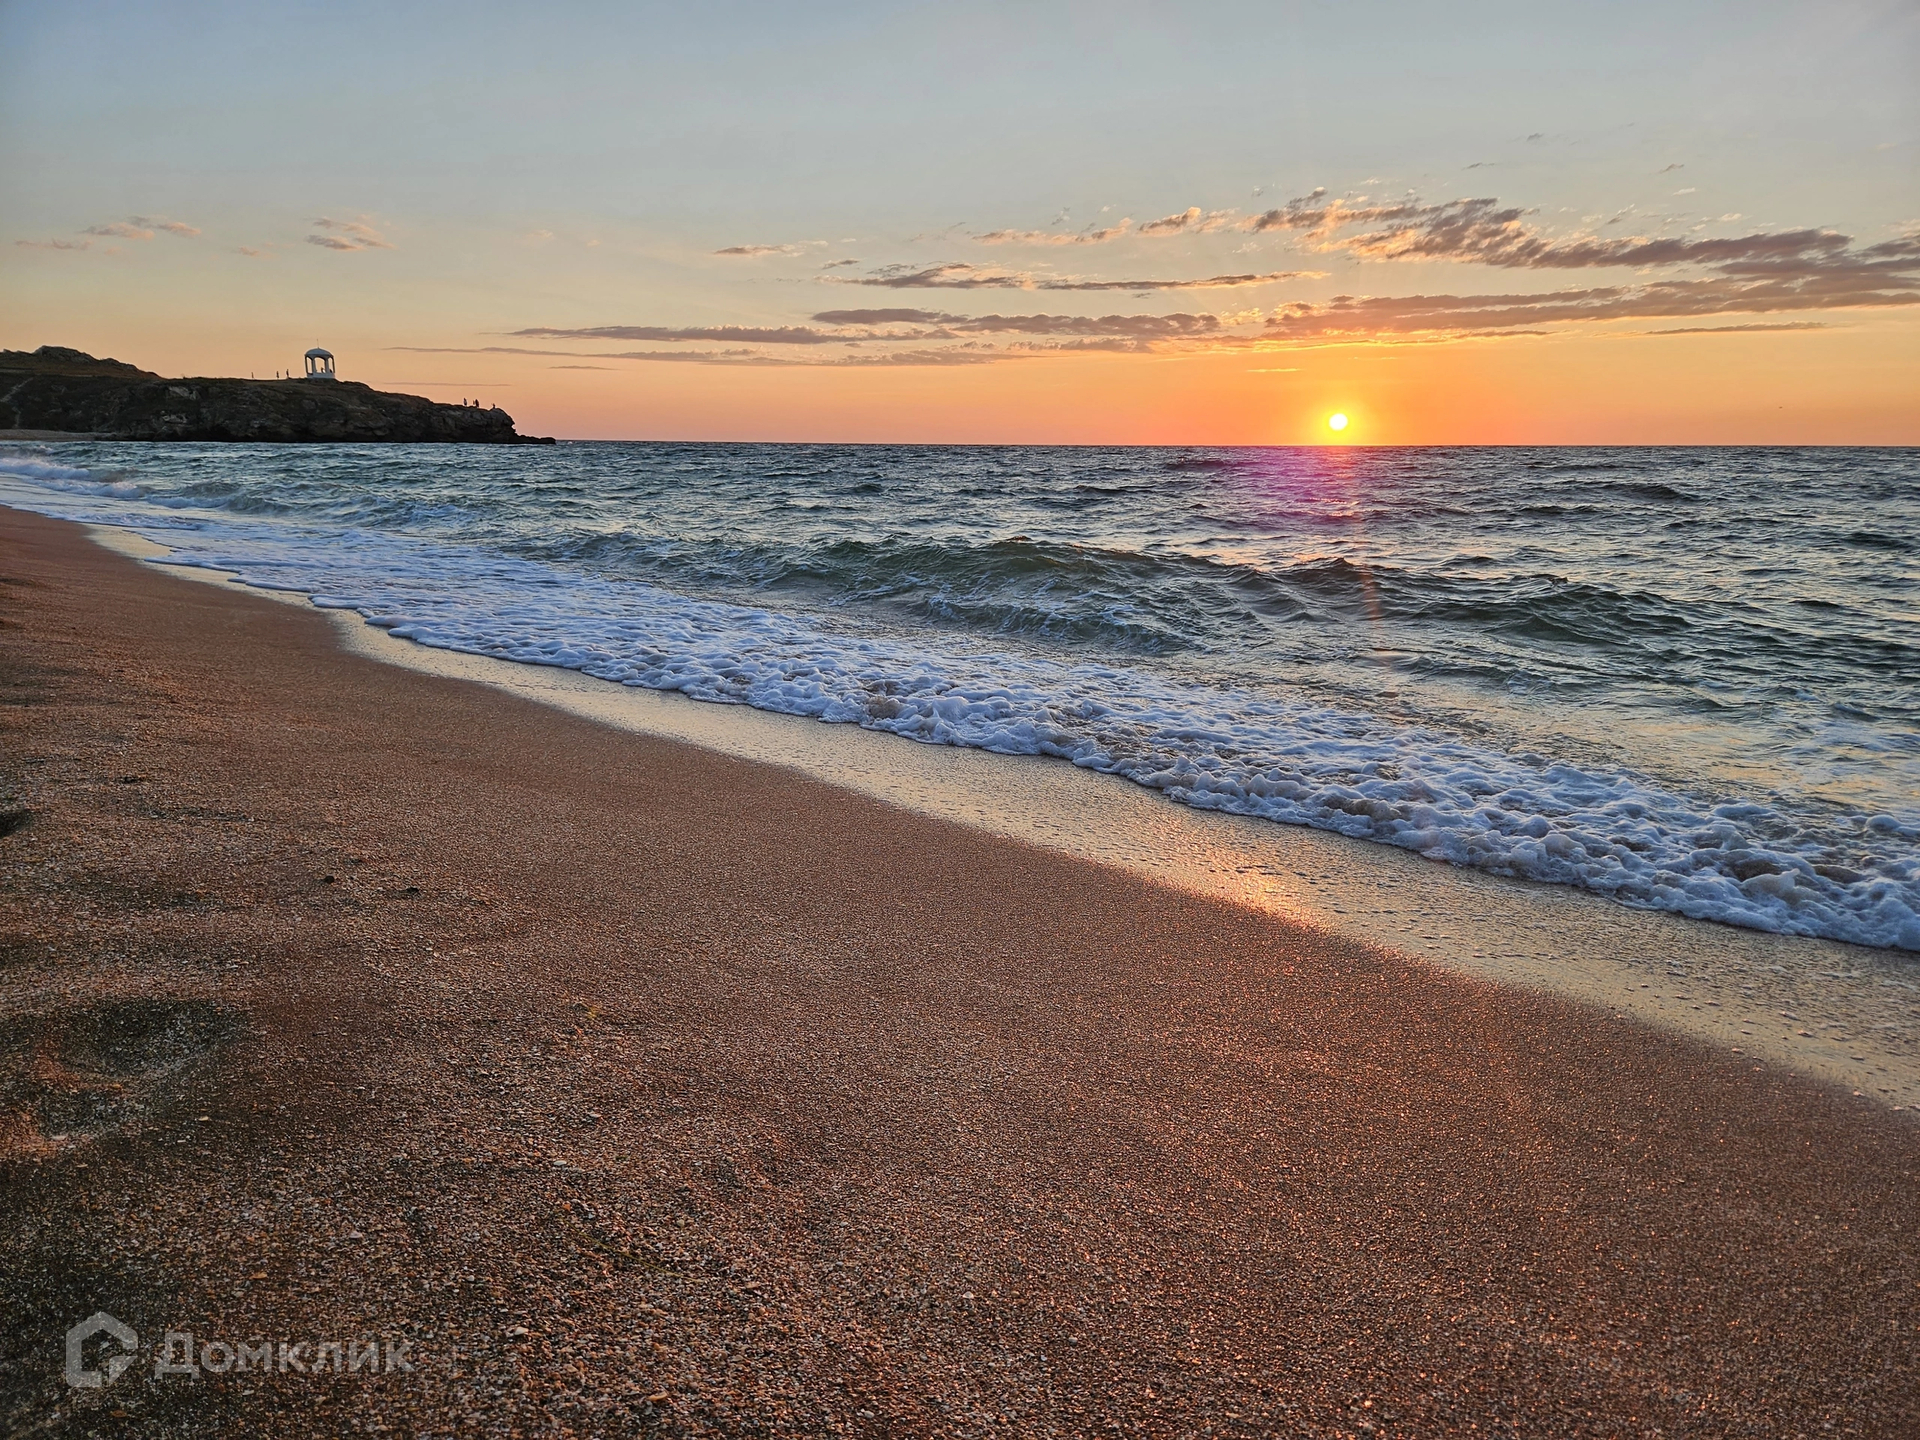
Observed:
{"x":646,"y":1090}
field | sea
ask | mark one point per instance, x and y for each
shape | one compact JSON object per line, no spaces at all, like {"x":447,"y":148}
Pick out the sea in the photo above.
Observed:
{"x":1684,"y":678}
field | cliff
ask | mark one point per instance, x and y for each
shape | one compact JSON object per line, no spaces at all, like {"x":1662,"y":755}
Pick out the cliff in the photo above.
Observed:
{"x":64,"y":390}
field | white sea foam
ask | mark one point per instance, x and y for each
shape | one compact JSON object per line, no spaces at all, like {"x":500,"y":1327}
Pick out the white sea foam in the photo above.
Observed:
{"x":38,"y":470}
{"x":1260,"y":754}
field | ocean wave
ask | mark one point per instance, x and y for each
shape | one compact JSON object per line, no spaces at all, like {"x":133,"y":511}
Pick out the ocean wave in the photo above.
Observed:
{"x":1257,"y":755}
{"x":1047,"y":645}
{"x":39,"y":469}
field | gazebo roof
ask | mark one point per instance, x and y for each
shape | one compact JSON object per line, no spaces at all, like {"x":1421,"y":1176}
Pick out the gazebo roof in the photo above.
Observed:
{"x":318,"y":354}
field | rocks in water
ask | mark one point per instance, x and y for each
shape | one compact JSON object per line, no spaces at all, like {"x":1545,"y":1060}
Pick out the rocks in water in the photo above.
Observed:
{"x":56,"y":389}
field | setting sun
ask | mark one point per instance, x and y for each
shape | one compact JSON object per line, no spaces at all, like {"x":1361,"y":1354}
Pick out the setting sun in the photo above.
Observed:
{"x":1336,"y":422}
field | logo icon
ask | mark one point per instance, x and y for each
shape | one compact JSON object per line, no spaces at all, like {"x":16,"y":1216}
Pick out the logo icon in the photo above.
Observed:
{"x":99,"y":1323}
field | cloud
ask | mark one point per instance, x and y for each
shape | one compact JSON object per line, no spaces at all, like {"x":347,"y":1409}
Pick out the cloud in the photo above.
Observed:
{"x":752,"y":251}
{"x":729,"y":357}
{"x":739,"y":334}
{"x":1841,"y":288}
{"x":1133,"y":327}
{"x":1759,"y":273}
{"x":1052,"y":237}
{"x":838,"y":264}
{"x":924,"y":357}
{"x":348,"y":235}
{"x":1114,"y":345}
{"x":121,"y":230}
{"x":958,"y":275}
{"x":140,"y":227}
{"x":879,"y":317}
{"x":1741,"y":329}
{"x":56,"y":244}
{"x":1191,"y":221}
{"x":1483,"y":232}
{"x":1136,"y":327}
{"x":852,"y":327}
{"x":706,"y":357}
{"x":1211,"y":282}
{"x":1769,"y":278}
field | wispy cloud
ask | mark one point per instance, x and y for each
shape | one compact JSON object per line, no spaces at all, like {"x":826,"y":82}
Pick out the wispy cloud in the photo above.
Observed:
{"x":171,"y":227}
{"x":1767,"y":278}
{"x":120,"y":230}
{"x":1840,"y":289}
{"x":743,"y":357}
{"x":1190,"y":221}
{"x":141,"y":227}
{"x":1741,"y":329}
{"x":853,"y":327}
{"x":713,"y":357}
{"x":1136,"y":327}
{"x":754,"y":251}
{"x":134,"y":227}
{"x":958,"y":275}
{"x":738,"y":334}
{"x":1054,"y":237}
{"x":925,"y":357}
{"x":1210,"y":282}
{"x":1484,"y":232}
{"x":1758,"y":273}
{"x":881,"y":317}
{"x":348,"y":235}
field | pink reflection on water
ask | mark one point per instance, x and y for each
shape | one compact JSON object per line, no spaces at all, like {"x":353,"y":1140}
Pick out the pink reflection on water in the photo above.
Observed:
{"x":1326,"y":484}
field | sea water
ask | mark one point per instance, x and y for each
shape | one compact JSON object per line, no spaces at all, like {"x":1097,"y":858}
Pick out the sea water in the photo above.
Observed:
{"x":1688,"y":679}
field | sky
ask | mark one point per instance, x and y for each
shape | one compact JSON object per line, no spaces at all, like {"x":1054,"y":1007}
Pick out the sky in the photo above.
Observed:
{"x":1112,"y":223}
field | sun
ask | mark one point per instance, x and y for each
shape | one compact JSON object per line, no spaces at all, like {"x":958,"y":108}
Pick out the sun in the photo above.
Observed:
{"x":1336,"y":422}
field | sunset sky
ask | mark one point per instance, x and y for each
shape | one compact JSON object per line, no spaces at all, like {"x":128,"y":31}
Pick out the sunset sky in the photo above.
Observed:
{"x":1193,"y":223}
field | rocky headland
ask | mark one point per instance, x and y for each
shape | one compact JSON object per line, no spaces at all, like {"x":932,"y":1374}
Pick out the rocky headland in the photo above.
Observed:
{"x":59,"y":391}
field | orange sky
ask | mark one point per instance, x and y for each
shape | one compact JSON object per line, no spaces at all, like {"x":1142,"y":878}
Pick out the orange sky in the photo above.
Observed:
{"x":1852,"y":384}
{"x":1215,"y":227}
{"x":1788,"y":388}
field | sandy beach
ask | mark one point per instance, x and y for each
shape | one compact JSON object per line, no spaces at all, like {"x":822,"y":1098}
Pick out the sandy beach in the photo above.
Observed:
{"x":623,"y":1087}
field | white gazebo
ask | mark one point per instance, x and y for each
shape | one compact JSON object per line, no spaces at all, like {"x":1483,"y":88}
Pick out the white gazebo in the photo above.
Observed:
{"x":320,"y":364}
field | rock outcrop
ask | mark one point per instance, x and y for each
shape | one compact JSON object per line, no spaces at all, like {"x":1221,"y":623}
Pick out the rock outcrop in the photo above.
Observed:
{"x":53,"y":389}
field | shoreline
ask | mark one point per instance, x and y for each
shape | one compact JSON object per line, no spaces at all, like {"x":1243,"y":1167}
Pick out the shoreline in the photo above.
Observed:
{"x":1848,"y":1015}
{"x":641,"y":1089}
